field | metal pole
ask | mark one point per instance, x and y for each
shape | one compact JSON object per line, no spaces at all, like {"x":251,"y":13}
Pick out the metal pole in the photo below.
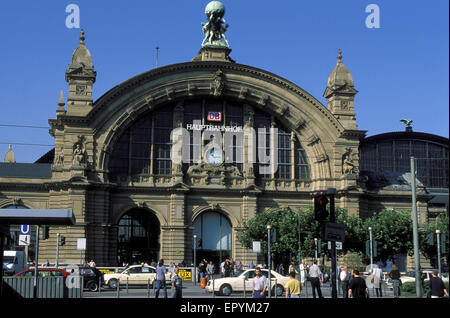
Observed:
{"x":315,"y":249}
{"x":195,"y":260}
{"x":57,"y":250}
{"x":331,"y":192}
{"x":371,"y":251}
{"x":268,"y":261}
{"x":36,"y":261}
{"x":127,"y":285}
{"x":245,"y":296}
{"x":157,"y":51}
{"x":438,"y":232}
{"x":2,"y":246}
{"x":148,"y":288}
{"x":213,"y":292}
{"x":299,"y":244}
{"x":419,"y":292}
{"x":99,"y":285}
{"x":118,"y":288}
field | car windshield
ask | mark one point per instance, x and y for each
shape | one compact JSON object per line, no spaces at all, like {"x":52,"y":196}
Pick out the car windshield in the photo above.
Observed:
{"x":238,"y":273}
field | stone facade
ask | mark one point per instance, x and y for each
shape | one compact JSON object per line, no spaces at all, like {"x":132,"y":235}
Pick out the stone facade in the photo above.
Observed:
{"x":86,"y":133}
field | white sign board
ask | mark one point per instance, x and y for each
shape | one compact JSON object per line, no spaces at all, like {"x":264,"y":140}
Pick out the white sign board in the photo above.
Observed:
{"x":81,"y":244}
{"x":338,"y":245}
{"x":24,"y":240}
{"x":257,"y":247}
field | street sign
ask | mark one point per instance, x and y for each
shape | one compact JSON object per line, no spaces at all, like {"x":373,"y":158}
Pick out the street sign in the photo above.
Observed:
{"x":81,"y":244}
{"x":338,"y":245}
{"x":334,"y":232}
{"x":24,"y":240}
{"x":257,"y":247}
{"x":25,"y":229}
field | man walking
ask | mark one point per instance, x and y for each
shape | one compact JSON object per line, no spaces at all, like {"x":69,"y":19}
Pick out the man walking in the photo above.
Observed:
{"x":292,"y":287}
{"x":315,"y":278}
{"x":177,"y":284}
{"x":161,"y":278}
{"x":437,"y":287}
{"x":357,"y":286}
{"x":345,"y":278}
{"x":259,"y":284}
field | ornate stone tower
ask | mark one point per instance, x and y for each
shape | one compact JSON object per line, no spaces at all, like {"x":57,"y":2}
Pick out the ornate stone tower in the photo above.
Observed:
{"x":81,"y":77}
{"x":340,"y":94}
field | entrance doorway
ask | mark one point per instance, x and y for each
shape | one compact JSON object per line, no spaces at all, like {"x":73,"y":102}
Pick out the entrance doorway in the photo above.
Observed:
{"x":138,"y":237}
{"x":213,"y":231}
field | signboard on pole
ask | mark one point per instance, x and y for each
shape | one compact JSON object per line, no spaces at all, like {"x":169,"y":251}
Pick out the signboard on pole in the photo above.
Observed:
{"x":81,"y":244}
{"x":257,"y":247}
{"x":338,"y":245}
{"x":24,"y":240}
{"x":334,"y":232}
{"x":25,"y":229}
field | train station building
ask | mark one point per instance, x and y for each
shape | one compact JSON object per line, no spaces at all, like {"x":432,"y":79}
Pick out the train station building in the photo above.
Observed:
{"x":113,"y":159}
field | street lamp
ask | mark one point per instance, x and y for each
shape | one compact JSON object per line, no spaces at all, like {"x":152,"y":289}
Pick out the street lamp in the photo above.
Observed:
{"x":195,"y":259}
{"x":315,"y":249}
{"x":438,"y":232}
{"x":268,"y":259}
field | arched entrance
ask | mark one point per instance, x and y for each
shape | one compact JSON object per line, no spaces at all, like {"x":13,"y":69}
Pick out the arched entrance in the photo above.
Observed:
{"x":138,"y":237}
{"x":213,"y":231}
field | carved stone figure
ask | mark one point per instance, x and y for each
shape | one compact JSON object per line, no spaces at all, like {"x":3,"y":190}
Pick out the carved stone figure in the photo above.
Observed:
{"x":348,"y":165}
{"x":219,"y":83}
{"x":215,"y":29}
{"x":59,"y":158}
{"x":79,"y":157}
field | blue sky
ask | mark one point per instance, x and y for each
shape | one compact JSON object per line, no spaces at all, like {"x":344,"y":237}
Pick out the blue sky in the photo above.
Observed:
{"x":401,"y":70}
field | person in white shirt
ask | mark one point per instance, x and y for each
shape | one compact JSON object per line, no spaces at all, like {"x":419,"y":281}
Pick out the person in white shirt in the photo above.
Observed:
{"x":345,"y":278}
{"x":303,"y":268}
{"x":259,"y":284}
{"x":376,"y":279}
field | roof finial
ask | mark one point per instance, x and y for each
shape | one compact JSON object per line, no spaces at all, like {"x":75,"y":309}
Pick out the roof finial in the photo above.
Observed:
{"x":82,"y":36}
{"x":339,"y":56}
{"x":61,"y":100}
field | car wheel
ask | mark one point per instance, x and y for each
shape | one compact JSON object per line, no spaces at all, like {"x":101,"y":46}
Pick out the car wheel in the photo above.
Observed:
{"x":112,"y":284}
{"x":225,"y":290}
{"x":92,"y":286}
{"x":278,"y":290}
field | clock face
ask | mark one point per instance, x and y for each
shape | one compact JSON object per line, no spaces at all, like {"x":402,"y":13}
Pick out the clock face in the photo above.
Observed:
{"x":214,"y":156}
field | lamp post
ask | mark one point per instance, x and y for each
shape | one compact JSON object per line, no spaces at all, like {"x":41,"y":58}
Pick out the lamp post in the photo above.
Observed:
{"x":315,"y":249}
{"x":57,"y":251}
{"x":195,"y":259}
{"x":419,"y":291}
{"x":268,"y":259}
{"x":438,"y":234}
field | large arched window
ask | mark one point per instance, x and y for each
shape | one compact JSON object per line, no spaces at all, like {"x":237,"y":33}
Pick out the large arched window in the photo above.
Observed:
{"x":145,"y":147}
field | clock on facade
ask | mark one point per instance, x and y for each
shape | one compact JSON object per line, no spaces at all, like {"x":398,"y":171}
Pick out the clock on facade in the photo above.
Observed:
{"x":214,"y":156}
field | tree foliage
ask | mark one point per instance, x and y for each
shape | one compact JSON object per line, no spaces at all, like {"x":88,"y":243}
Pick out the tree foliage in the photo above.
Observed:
{"x":430,"y":251}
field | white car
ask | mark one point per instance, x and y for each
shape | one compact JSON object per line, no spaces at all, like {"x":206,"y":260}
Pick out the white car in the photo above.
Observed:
{"x":411,"y":277}
{"x":135,"y":275}
{"x":225,"y":286}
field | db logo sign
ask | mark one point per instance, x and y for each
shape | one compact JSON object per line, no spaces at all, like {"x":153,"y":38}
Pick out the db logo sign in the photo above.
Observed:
{"x":214,"y":116}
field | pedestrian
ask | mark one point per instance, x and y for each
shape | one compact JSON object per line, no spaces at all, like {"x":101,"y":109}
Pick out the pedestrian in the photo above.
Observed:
{"x":210,"y":270}
{"x":251,"y":265}
{"x":92,"y":263}
{"x":291,"y":268}
{"x":46,"y":264}
{"x":292,"y":287}
{"x":161,"y":278}
{"x":222,"y":269}
{"x":394,"y":274}
{"x":376,"y":279}
{"x":153,"y":263}
{"x":227,"y":268}
{"x":303,"y":268}
{"x":357,"y":286}
{"x":177,"y":284}
{"x":344,"y":277}
{"x":202,"y":270}
{"x":437,"y":287}
{"x":259,"y":284}
{"x":239,"y":266}
{"x":315,"y":279}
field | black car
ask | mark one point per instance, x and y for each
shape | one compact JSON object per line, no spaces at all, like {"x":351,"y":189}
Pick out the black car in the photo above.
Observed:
{"x":92,"y":277}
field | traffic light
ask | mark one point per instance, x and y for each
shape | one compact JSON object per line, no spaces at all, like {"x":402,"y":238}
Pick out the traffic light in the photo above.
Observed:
{"x":320,"y":208}
{"x":200,"y":242}
{"x":63,"y":240}
{"x":45,"y":232}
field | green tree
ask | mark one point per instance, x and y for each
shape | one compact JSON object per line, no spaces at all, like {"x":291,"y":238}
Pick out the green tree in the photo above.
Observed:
{"x":285,"y":221}
{"x":393,"y":230}
{"x":430,"y":251}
